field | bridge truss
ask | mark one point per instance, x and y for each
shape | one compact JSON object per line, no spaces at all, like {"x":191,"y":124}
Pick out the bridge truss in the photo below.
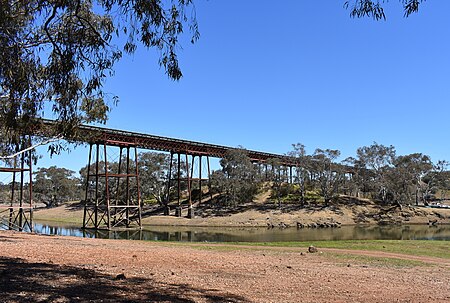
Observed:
{"x":112,"y":197}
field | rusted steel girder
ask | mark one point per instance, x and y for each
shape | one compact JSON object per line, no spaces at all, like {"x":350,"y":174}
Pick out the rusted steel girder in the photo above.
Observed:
{"x":94,"y":134}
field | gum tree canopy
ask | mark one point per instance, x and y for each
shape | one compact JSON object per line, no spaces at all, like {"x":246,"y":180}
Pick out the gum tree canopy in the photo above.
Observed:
{"x":375,"y":10}
{"x":56,"y":54}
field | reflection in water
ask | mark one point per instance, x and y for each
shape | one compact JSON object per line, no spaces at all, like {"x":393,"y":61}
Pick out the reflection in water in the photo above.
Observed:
{"x":214,"y":234}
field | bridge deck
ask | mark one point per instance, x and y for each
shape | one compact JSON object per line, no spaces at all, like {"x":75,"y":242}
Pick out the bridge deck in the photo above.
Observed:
{"x":96,"y":134}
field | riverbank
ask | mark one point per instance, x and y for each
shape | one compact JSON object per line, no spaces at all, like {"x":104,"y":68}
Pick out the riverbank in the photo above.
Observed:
{"x":348,"y":212}
{"x":62,"y":269}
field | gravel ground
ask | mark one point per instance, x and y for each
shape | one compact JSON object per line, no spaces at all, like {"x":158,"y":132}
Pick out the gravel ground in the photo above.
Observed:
{"x":36,"y":268}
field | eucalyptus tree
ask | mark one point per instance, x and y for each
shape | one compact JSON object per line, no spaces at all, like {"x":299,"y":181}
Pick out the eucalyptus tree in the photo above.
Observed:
{"x":363,"y":179}
{"x":406,"y":182}
{"x":274,"y":175}
{"x":443,"y":179}
{"x":302,"y":163}
{"x":97,"y":179}
{"x":376,"y":160}
{"x":436,"y":179}
{"x":352,"y":180}
{"x":54,"y":185}
{"x":153,"y":175}
{"x":57,"y":54}
{"x":218,"y":181}
{"x":329,"y":174}
{"x":5,"y":193}
{"x":238,"y":177}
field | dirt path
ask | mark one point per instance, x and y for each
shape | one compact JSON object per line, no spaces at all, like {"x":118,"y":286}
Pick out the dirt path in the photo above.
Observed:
{"x":64,"y":269}
{"x":382,"y":254}
{"x":375,"y":254}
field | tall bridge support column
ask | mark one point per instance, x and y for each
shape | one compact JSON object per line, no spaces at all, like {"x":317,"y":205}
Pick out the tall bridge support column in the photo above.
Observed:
{"x":16,"y":213}
{"x":178,"y":208}
{"x":169,"y":176}
{"x":112,"y":197}
{"x":188,"y":182}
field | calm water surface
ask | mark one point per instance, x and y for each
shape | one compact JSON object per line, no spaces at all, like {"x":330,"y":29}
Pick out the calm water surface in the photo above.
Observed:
{"x":235,"y":234}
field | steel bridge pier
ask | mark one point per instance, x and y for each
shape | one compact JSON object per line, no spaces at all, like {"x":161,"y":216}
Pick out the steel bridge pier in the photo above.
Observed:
{"x":188,"y":182}
{"x":112,"y":197}
{"x":17,"y":212}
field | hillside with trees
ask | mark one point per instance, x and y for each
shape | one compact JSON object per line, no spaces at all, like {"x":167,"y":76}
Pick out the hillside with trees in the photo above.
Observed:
{"x":376,"y":173}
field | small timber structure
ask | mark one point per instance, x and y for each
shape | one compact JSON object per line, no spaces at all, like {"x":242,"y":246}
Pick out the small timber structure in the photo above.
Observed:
{"x":112,"y":197}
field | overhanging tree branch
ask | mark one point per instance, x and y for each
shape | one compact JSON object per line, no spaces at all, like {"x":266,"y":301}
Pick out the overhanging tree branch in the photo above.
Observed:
{"x":31,"y":148}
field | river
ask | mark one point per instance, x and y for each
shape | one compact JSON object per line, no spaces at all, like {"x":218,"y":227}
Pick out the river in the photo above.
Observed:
{"x":235,"y":234}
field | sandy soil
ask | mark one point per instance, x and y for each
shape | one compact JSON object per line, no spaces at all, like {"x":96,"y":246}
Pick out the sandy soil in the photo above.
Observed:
{"x":37,"y":268}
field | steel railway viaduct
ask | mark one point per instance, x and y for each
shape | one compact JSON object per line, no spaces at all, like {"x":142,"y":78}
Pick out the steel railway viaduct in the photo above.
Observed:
{"x":112,"y":197}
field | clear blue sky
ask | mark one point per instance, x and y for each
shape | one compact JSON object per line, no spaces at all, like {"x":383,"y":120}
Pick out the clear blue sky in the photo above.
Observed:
{"x":268,"y":74}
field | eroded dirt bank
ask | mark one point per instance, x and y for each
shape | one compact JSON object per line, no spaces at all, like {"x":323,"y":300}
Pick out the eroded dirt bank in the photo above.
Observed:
{"x":265,"y":214}
{"x":37,"y":268}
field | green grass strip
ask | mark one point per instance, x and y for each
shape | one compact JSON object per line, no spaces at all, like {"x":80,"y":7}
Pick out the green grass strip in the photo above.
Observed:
{"x":439,"y":249}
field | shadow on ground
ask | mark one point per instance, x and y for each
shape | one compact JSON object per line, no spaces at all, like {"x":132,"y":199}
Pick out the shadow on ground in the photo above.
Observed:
{"x":219,"y":209}
{"x":21,"y":281}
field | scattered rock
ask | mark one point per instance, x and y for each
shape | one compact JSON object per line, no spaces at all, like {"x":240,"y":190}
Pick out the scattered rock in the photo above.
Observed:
{"x":283,"y":225}
{"x":312,"y":249}
{"x":331,"y":224}
{"x":440,"y":216}
{"x":405,"y":215}
{"x":120,"y":277}
{"x":432,"y":222}
{"x":384,"y":222}
{"x":389,"y":221}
